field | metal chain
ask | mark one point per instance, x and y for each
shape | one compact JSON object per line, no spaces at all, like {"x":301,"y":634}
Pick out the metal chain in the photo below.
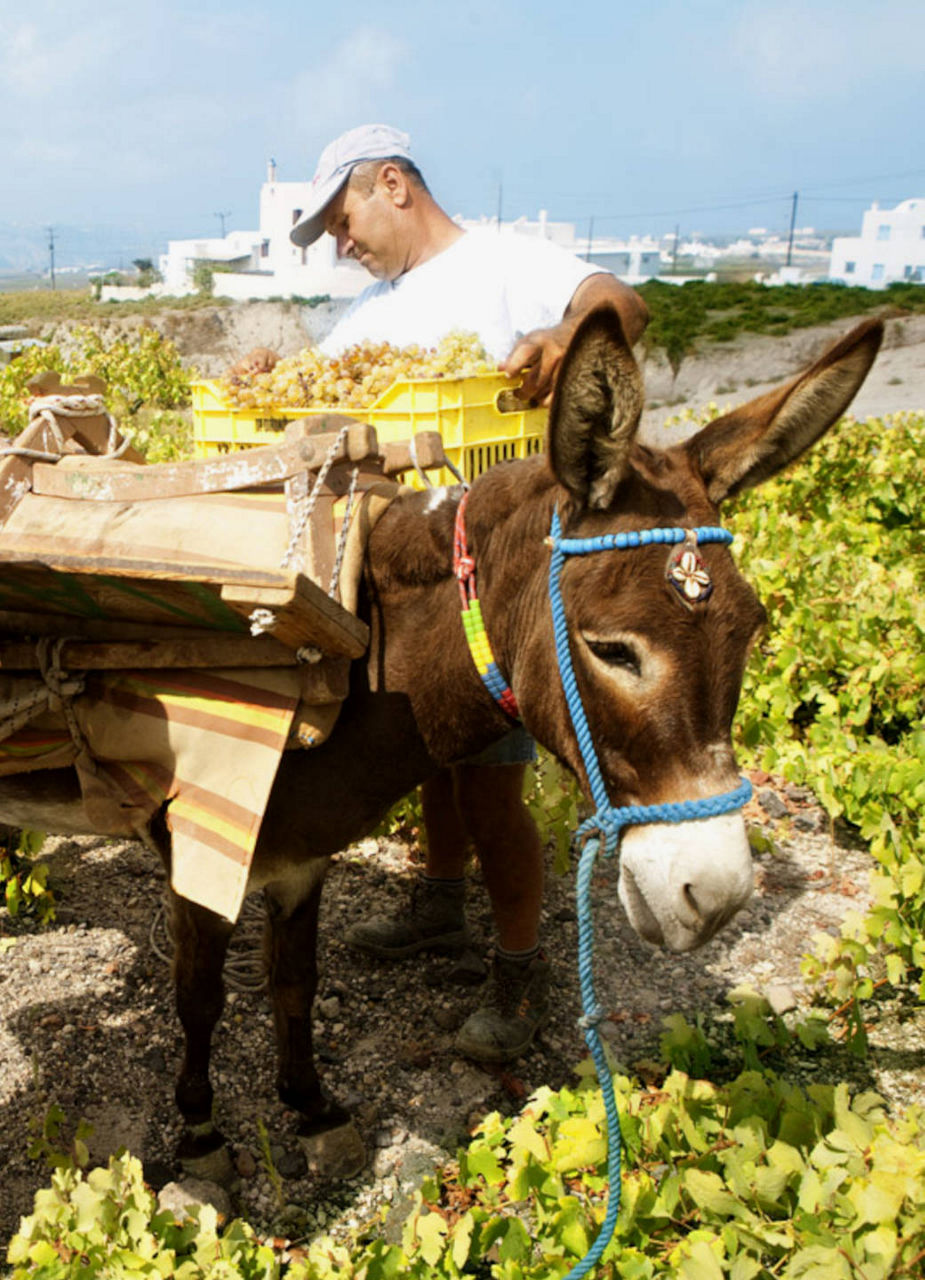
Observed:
{"x":344,"y":530}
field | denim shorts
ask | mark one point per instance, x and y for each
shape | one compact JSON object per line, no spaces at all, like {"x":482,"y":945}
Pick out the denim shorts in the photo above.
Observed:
{"x":516,"y":747}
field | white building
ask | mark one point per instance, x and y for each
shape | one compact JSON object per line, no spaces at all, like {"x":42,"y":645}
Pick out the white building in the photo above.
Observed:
{"x":266,"y":264}
{"x":891,"y":247}
{"x":633,"y":260}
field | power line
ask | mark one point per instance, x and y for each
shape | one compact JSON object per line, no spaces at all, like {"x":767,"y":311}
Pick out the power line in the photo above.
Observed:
{"x":51,"y":254}
{"x":793,"y":222}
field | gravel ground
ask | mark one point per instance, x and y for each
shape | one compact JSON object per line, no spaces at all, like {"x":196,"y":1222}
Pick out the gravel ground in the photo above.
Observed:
{"x":87,"y":1017}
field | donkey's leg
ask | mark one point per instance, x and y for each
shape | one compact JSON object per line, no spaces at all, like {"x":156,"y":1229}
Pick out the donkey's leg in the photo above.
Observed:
{"x":329,"y":1137}
{"x":200,"y":942}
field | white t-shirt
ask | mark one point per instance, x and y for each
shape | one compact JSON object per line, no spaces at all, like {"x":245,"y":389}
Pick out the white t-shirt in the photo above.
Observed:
{"x":498,"y":285}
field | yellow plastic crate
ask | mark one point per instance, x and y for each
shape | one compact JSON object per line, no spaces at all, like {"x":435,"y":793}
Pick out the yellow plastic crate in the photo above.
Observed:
{"x":476,"y":432}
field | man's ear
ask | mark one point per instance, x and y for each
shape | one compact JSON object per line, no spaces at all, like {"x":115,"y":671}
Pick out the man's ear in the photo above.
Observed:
{"x":395,"y":184}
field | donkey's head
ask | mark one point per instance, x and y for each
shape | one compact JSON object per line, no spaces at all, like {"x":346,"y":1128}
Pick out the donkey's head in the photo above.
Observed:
{"x":659,"y":634}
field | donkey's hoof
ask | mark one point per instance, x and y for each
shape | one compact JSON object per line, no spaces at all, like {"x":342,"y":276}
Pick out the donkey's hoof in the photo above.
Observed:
{"x":335,"y":1153}
{"x":206,"y":1157}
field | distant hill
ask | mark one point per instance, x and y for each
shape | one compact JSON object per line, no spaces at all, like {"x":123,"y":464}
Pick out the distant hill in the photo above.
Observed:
{"x":24,"y":249}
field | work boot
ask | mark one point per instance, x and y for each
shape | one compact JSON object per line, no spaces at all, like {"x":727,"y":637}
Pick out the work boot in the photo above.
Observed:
{"x":516,"y":1005}
{"x":435,"y":922}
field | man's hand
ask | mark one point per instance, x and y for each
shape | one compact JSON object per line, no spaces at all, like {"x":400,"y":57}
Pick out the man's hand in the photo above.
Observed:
{"x":260,"y":360}
{"x":539,"y":355}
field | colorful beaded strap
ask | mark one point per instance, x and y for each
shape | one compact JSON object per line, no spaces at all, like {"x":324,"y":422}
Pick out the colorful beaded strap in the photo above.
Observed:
{"x":473,"y":623}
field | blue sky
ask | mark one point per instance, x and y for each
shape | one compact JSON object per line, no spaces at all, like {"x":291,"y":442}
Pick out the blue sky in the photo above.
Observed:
{"x":150,"y":117}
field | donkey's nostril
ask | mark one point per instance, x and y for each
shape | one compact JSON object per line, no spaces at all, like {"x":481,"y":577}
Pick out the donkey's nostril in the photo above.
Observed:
{"x":690,"y":900}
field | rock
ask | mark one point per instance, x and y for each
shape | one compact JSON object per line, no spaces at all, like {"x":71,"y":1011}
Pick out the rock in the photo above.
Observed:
{"x":180,"y":1197}
{"x":447,"y":1019}
{"x":772,"y":804}
{"x":292,"y":1164}
{"x":336,"y":1153}
{"x":245,"y":1163}
{"x":780,"y":997}
{"x":329,"y":1008}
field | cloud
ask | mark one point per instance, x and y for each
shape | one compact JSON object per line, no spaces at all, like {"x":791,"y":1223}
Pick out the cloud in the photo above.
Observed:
{"x":34,"y":67}
{"x":349,"y":84}
{"x":790,"y":49}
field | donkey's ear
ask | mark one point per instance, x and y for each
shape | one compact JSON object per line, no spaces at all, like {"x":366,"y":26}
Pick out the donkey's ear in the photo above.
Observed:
{"x":756,"y":440}
{"x":595,"y":410}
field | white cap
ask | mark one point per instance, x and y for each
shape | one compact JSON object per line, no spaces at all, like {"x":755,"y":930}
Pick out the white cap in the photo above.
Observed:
{"x":366,"y":142}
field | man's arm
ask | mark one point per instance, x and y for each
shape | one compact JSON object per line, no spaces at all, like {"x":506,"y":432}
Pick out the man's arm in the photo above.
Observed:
{"x":538,"y":355}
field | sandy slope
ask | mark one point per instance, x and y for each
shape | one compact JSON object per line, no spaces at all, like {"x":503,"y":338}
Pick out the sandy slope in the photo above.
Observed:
{"x":731,"y":373}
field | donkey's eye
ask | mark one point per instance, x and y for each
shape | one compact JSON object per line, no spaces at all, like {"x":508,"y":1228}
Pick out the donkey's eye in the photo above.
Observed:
{"x":616,"y":653}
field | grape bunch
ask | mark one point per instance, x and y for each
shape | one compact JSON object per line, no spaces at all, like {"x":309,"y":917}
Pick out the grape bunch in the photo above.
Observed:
{"x":357,"y":377}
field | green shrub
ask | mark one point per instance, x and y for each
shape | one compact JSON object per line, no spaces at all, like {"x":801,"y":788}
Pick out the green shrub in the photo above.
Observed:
{"x":834,"y":697}
{"x":147,"y":386}
{"x":751,"y":1180}
{"x":23,"y":881}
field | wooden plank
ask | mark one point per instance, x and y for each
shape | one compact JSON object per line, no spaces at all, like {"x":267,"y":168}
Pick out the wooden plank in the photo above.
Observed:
{"x":214,"y":651}
{"x":246,"y":469}
{"x":125,"y":645}
{"x":41,"y":589}
{"x":128,"y":567}
{"x":15,"y":624}
{"x":304,"y":617}
{"x":191,"y":594}
{"x":428,"y":452}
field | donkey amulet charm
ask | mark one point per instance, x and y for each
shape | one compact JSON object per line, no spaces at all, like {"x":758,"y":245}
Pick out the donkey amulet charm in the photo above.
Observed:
{"x":687,"y":573}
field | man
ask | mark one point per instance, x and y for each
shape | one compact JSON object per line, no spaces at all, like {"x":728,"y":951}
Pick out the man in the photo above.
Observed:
{"x":524,"y":297}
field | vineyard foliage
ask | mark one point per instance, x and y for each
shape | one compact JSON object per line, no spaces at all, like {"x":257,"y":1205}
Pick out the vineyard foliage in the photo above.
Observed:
{"x":834,"y":696}
{"x":148,"y":386}
{"x":750,"y":1180}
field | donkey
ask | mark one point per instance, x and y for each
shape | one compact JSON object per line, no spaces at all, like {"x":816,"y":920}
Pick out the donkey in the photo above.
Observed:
{"x":659,"y":674}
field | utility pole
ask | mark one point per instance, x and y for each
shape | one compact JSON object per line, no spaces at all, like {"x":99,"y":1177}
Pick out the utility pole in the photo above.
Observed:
{"x":674,"y":252}
{"x":500,"y":201}
{"x":221,"y":217}
{"x":51,"y":254}
{"x":793,"y":220}
{"x":590,"y":237}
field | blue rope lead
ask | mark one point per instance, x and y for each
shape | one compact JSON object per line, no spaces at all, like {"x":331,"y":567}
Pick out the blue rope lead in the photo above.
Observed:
{"x":607,"y":824}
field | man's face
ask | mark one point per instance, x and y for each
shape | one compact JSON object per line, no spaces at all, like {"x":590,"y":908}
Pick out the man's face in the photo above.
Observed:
{"x":365,"y":229}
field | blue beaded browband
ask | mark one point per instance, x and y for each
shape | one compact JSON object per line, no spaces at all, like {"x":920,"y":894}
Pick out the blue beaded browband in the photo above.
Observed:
{"x":633,"y":538}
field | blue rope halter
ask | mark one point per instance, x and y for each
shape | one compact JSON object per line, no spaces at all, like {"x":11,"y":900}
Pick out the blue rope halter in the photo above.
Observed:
{"x":607,"y":825}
